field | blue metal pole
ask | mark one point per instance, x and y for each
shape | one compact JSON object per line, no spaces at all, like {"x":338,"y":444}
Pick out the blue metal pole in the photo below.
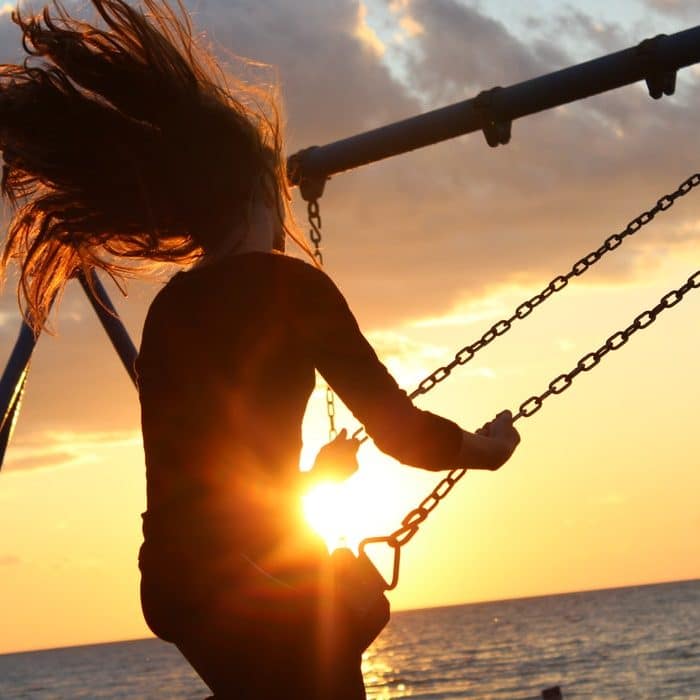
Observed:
{"x":12,"y":384}
{"x":111,"y":322}
{"x":14,"y":377}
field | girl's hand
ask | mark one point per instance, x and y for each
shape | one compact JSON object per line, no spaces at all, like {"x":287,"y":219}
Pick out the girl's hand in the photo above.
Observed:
{"x":502,"y":439}
{"x":336,"y":460}
{"x":491,"y":446}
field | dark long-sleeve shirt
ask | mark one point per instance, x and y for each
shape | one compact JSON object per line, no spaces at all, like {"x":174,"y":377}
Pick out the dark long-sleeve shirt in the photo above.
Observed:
{"x":225,"y":370}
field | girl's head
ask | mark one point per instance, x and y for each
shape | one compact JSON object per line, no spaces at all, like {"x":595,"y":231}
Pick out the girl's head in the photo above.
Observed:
{"x":126,"y":143}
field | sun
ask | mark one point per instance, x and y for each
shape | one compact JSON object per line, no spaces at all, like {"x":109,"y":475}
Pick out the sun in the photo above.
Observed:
{"x":345,"y":513}
{"x":328,"y":510}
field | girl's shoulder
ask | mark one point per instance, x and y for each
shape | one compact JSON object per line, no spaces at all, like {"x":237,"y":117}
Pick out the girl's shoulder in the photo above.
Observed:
{"x":248,"y":275}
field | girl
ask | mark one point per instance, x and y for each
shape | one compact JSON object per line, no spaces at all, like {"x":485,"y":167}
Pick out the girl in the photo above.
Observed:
{"x":127,"y":144}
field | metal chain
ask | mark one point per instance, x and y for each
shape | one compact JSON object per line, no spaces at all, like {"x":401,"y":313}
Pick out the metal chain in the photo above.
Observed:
{"x":313,"y":211}
{"x":314,"y":214}
{"x":330,"y":411}
{"x":412,"y":521}
{"x":590,"y":360}
{"x":466,"y":354}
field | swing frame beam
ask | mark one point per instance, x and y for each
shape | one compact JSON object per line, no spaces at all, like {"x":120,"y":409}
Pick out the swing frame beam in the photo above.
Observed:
{"x":654,"y":60}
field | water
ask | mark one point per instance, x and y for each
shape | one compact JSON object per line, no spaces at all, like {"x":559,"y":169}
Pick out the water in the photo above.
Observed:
{"x":641,"y":642}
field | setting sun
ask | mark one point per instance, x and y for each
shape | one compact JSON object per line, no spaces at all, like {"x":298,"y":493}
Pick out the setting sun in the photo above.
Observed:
{"x":328,"y":509}
{"x":370,"y":503}
{"x":332,"y":509}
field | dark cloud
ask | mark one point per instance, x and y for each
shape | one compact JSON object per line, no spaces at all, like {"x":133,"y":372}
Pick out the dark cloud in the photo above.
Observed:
{"x":578,"y":26}
{"x":333,"y":84}
{"x":461,"y":49}
{"x":682,"y":8}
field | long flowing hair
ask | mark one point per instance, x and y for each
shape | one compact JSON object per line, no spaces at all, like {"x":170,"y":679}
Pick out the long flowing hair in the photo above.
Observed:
{"x":124,"y":145}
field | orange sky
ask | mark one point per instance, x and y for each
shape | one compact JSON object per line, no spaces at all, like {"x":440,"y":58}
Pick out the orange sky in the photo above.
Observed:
{"x":430,"y":249}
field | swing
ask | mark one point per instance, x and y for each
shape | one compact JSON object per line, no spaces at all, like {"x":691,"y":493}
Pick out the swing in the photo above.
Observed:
{"x":415,"y":517}
{"x":360,"y":585}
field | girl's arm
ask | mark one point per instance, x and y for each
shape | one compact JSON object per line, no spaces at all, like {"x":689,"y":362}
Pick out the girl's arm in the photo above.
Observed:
{"x":413,"y":436}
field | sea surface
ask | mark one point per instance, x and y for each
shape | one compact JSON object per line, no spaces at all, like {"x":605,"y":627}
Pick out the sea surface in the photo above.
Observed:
{"x":640,"y":642}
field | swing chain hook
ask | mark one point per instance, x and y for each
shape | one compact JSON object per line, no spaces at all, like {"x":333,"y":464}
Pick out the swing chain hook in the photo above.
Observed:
{"x":660,"y":80}
{"x":496,"y":127}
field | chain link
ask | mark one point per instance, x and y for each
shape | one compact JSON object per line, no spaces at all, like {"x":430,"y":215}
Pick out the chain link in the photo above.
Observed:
{"x":314,"y":215}
{"x":330,"y":410}
{"x":313,"y":212}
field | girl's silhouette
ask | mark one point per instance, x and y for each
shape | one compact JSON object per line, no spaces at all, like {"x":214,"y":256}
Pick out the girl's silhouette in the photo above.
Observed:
{"x":125,"y":144}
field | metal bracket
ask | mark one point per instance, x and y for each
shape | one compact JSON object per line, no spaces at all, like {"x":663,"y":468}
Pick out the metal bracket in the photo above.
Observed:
{"x":659,"y":80}
{"x":497,"y":130}
{"x":311,"y":188}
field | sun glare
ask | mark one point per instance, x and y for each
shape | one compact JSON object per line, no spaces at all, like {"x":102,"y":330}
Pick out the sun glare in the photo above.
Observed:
{"x":345,"y":513}
{"x":327,"y":510}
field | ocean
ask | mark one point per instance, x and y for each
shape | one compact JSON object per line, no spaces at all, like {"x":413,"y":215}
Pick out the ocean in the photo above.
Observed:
{"x":640,"y":642}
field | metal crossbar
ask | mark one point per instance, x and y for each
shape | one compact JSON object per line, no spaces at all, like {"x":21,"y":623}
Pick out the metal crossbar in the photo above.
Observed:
{"x":654,"y":60}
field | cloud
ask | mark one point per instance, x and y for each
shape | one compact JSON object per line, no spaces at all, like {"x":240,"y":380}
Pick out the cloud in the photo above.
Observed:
{"x":333,"y":83}
{"x":392,"y":344}
{"x":57,"y":449}
{"x":682,"y":8}
{"x":9,"y":38}
{"x":407,"y":359}
{"x":461,"y":220}
{"x":579,"y":26}
{"x":364,"y":32}
{"x":468,"y":313}
{"x":460,"y":48}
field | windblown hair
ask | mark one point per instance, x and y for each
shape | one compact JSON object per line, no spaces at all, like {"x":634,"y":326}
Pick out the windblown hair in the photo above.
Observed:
{"x":126,"y":144}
